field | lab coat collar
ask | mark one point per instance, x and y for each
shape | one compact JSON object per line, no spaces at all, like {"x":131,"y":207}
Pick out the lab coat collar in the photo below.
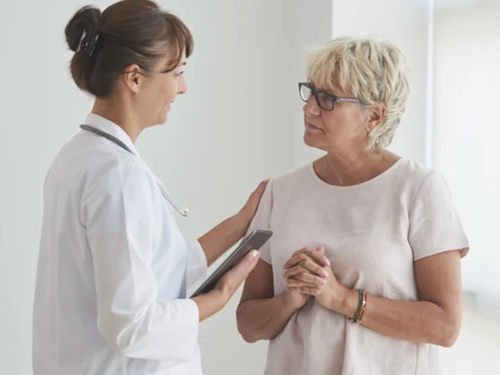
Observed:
{"x":111,"y":128}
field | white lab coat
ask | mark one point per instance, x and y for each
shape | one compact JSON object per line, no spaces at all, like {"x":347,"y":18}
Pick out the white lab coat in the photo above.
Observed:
{"x":114,"y":270}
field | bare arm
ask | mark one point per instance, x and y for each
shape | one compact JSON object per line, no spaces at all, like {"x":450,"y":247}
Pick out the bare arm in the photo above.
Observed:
{"x":435,"y":318}
{"x":261,"y":315}
{"x":221,"y":238}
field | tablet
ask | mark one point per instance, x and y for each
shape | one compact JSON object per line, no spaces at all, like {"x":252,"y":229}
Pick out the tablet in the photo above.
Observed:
{"x":253,"y":241}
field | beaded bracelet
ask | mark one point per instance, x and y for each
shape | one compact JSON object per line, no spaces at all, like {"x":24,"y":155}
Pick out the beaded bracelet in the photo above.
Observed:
{"x":360,"y":311}
{"x":365,"y":301}
{"x":363,"y":308}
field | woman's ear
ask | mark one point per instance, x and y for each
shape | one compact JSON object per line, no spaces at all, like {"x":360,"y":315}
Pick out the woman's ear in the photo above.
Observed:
{"x":132,"y":77}
{"x":377,"y":115}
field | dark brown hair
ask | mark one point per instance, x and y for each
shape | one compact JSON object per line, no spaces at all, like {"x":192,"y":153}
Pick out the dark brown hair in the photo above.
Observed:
{"x":127,"y":32}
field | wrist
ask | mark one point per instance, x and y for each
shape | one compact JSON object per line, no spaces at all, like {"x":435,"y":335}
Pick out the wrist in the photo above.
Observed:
{"x":241,"y":222}
{"x":209,"y":304}
{"x":347,"y":302}
{"x":288,"y":301}
{"x":220,"y":297}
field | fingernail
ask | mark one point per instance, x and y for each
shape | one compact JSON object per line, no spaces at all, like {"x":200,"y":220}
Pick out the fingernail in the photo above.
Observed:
{"x":254,"y":253}
{"x":328,"y":262}
{"x":322,"y":281}
{"x":324,"y":273}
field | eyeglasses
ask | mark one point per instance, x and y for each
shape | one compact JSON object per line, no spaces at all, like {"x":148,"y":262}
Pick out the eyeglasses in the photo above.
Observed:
{"x":325,"y":100}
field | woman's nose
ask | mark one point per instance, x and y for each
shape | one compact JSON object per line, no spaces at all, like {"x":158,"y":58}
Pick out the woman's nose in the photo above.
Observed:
{"x":311,"y":107}
{"x":182,"y":85}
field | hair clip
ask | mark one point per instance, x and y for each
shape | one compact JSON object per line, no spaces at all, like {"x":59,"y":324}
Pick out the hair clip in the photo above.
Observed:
{"x":87,"y":44}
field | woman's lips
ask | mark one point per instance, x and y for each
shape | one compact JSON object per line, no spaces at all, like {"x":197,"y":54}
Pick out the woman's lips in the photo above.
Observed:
{"x":311,"y":127}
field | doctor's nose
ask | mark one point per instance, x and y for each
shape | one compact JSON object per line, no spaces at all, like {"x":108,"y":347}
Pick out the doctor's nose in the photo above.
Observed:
{"x":182,"y":85}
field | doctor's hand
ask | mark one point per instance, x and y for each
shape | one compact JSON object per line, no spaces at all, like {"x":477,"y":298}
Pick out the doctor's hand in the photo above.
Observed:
{"x":248,"y":211}
{"x":231,"y":281}
{"x":220,"y":239}
{"x":215,"y":300}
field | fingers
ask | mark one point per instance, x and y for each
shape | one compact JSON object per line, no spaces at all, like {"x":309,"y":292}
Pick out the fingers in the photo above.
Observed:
{"x":318,"y":256}
{"x":308,"y":264}
{"x":240,"y":272}
{"x":310,"y":291}
{"x":261,"y":188}
{"x":253,"y":201}
{"x":294,"y":283}
{"x":232,"y":280}
{"x":306,"y":291}
{"x":302,"y":287}
{"x":305,"y":249}
{"x":301,"y":273}
{"x":248,"y":263}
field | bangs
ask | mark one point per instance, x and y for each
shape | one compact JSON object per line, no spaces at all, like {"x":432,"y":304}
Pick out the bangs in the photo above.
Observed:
{"x":178,"y":39}
{"x":334,"y":69}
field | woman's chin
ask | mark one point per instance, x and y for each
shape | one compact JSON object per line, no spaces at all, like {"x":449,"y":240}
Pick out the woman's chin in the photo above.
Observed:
{"x":163,"y":115}
{"x":311,"y":140}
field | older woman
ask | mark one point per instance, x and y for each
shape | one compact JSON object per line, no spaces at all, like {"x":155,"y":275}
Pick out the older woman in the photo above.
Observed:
{"x":362,"y":275}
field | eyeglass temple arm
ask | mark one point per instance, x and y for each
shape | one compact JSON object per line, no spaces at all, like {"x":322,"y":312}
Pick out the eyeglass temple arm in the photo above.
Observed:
{"x":348,"y":100}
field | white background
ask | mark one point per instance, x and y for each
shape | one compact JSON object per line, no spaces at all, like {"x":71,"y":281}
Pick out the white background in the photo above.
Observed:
{"x":239,"y":123}
{"x":465,"y":149}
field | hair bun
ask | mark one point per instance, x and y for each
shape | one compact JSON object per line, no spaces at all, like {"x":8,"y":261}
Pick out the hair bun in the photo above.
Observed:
{"x":86,"y":19}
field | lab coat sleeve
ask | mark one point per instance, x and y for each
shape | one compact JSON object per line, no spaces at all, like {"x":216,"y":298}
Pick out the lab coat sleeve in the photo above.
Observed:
{"x":122,"y":218}
{"x":197,"y":267}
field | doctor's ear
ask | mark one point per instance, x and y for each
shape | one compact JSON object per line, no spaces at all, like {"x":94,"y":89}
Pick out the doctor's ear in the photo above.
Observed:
{"x":132,"y":77}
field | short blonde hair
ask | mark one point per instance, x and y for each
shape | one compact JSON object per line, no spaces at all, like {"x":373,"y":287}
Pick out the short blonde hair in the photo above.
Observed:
{"x":374,"y":71}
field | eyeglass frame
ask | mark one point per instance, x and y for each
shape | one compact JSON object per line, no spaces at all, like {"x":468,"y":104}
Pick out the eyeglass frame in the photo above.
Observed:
{"x":315,"y":93}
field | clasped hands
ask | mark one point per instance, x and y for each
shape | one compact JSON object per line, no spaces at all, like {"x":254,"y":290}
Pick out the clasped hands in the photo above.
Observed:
{"x":309,"y":273}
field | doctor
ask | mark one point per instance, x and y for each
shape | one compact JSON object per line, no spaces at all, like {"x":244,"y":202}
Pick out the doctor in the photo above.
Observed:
{"x":114,"y":270}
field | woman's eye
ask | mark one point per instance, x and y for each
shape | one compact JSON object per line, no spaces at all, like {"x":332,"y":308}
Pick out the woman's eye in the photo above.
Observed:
{"x":327,"y":99}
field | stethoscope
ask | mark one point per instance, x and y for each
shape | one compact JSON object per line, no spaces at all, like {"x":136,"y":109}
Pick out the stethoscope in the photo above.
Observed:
{"x":183,"y":212}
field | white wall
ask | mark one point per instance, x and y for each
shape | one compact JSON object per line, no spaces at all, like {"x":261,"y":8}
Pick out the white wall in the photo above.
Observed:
{"x":310,"y":28}
{"x":477,"y":349}
{"x":39,"y":110}
{"x":467,"y":77}
{"x":465,"y":149}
